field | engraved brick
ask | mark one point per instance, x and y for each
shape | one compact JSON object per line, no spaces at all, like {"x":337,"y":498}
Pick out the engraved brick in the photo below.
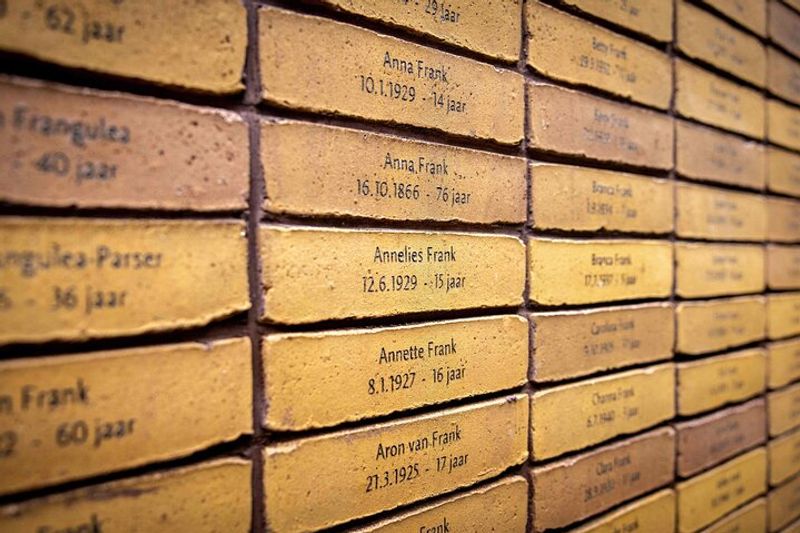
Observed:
{"x":389,"y":369}
{"x":712,"y":99}
{"x":596,"y":56}
{"x":783,"y":266}
{"x":707,"y":154}
{"x":751,"y":517}
{"x":704,"y":270}
{"x":783,"y":219}
{"x":381,"y":467}
{"x":356,"y":72}
{"x":714,"y":325}
{"x":569,"y":344}
{"x":784,"y":27}
{"x":75,"y":416}
{"x":75,"y":279}
{"x":649,"y":17}
{"x":784,"y":504}
{"x":783,"y":171}
{"x":565,"y":271}
{"x":212,"y":496}
{"x":577,"y":415}
{"x":313,"y":274}
{"x":654,"y":514}
{"x":489,"y":28}
{"x":783,"y":410}
{"x":751,"y":14}
{"x":501,"y":506}
{"x":783,"y":360}
{"x":712,"y":213}
{"x":783,"y":315}
{"x":784,"y":457}
{"x":709,"y":440}
{"x":716,"y":381}
{"x":711,"y":495}
{"x":312,"y":169}
{"x":703,"y":36}
{"x":580,"y":486}
{"x":193,"y":45}
{"x":783,"y":75}
{"x":783,"y":124}
{"x":585,"y":199}
{"x":67,"y":147}
{"x":570,"y":122}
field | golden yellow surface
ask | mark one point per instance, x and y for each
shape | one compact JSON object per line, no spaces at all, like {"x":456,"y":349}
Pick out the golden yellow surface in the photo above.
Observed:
{"x":356,"y":72}
{"x":322,"y":481}
{"x":709,"y":326}
{"x":704,"y":96}
{"x":191,"y":44}
{"x":76,"y":279}
{"x":378,"y":371}
{"x":571,"y":417}
{"x":313,"y":169}
{"x":576,"y":343}
{"x":703,"y":270}
{"x":716,"y":381}
{"x":585,"y":199}
{"x":565,"y":271}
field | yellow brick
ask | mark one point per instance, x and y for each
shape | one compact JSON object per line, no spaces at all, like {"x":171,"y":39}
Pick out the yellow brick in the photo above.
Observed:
{"x":356,"y":72}
{"x":709,"y":326}
{"x":784,"y":505}
{"x":783,"y":123}
{"x":751,"y":14}
{"x":580,"y":486}
{"x":578,"y":272}
{"x":716,"y":381}
{"x":389,"y":369}
{"x":501,"y":506}
{"x":784,"y":362}
{"x":574,"y":123}
{"x":650,"y":17}
{"x":118,"y":151}
{"x":783,"y":266}
{"x":704,"y":96}
{"x":488,"y":27}
{"x":712,"y":213}
{"x":784,"y":26}
{"x":783,"y":315}
{"x":204,"y":498}
{"x":703,"y":36}
{"x":567,"y":48}
{"x":783,"y":219}
{"x":386,"y":177}
{"x":784,"y":457}
{"x":654,"y":514}
{"x":188,"y":44}
{"x":707,"y":154}
{"x":574,"y":416}
{"x":322,"y":481}
{"x":783,"y":75}
{"x":313,"y":274}
{"x":793,"y":3}
{"x":585,"y":199}
{"x":577,"y":343}
{"x":704,"y":270}
{"x":75,"y":279}
{"x":783,"y":410}
{"x":711,"y":495}
{"x":783,"y":171}
{"x":74,"y":416}
{"x":750,"y":518}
